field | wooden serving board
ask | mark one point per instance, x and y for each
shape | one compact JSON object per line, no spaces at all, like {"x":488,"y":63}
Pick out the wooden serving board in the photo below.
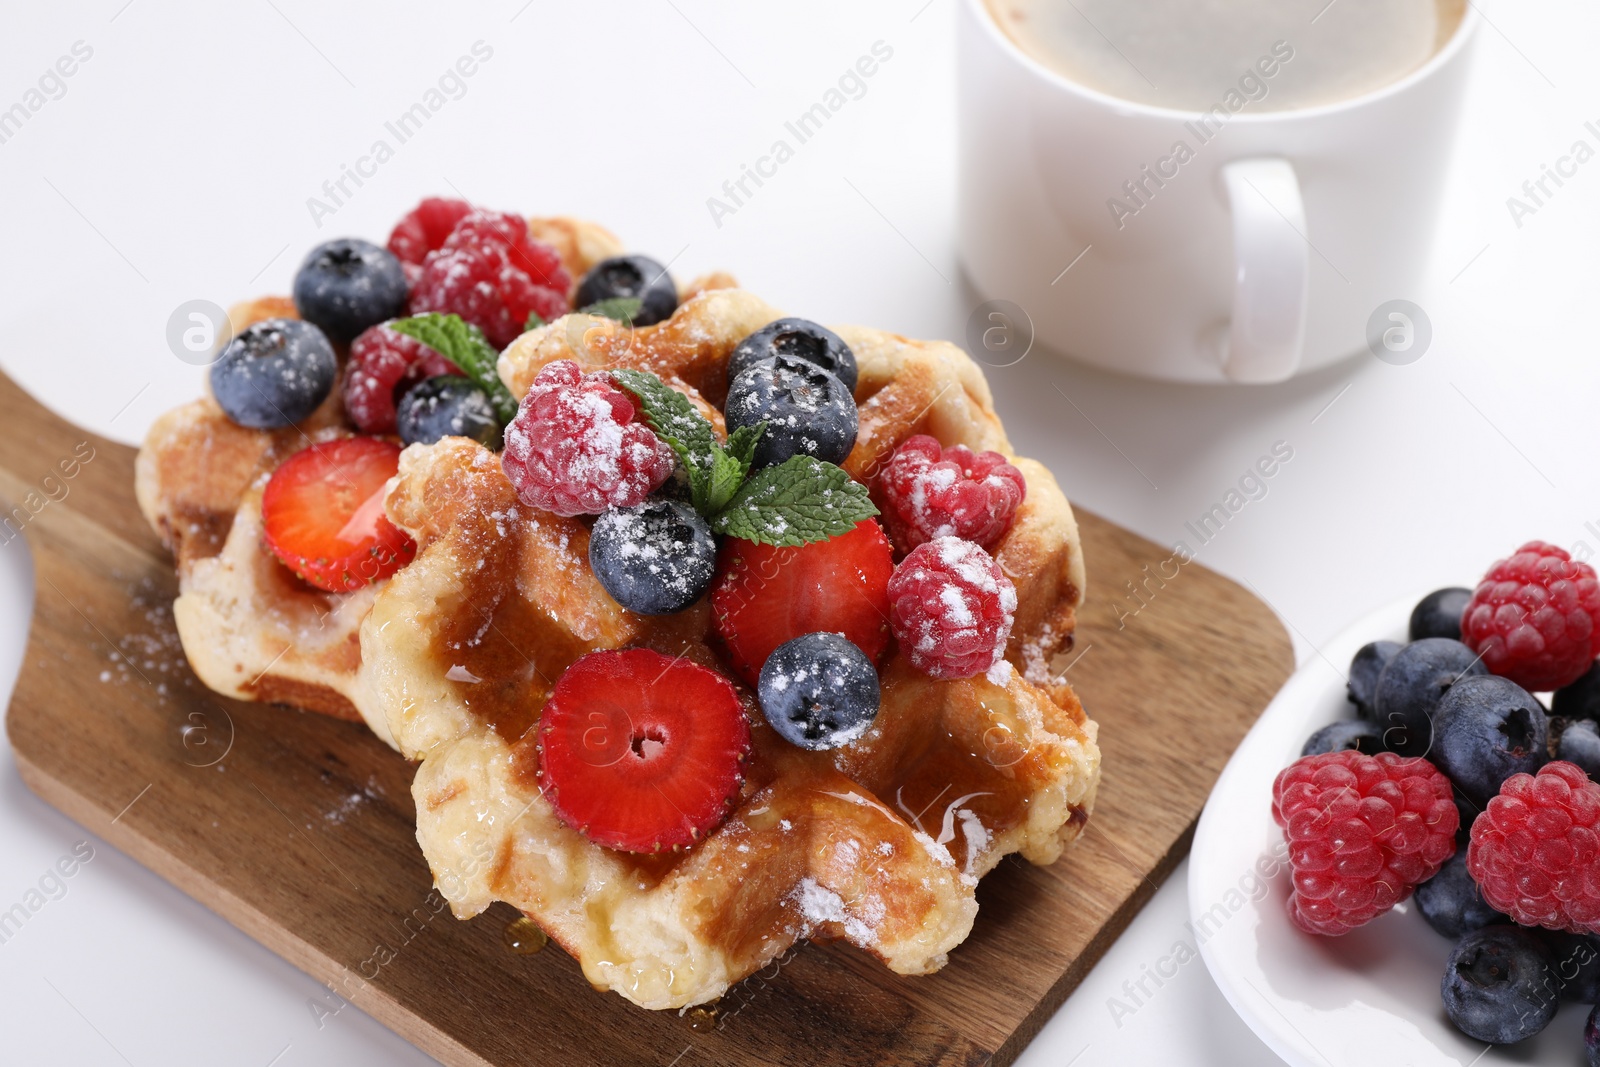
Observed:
{"x":299,"y":829}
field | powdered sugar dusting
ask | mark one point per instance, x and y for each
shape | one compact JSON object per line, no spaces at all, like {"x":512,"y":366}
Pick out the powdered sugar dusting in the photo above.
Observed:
{"x":819,"y":905}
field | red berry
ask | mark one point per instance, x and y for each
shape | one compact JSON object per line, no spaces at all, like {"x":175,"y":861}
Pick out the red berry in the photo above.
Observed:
{"x":927,"y":491}
{"x":765,"y":595}
{"x":1363,"y":832}
{"x":1535,"y":618}
{"x":384,"y":364}
{"x":1535,"y":850}
{"x":492,"y":273}
{"x":425,"y":228}
{"x":541,"y":263}
{"x":641,"y":751}
{"x":952,"y":608}
{"x":323,"y":514}
{"x":576,"y":447}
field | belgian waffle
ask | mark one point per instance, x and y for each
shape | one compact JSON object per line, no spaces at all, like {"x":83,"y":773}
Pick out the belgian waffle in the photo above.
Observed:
{"x":880,"y":842}
{"x":251,"y":630}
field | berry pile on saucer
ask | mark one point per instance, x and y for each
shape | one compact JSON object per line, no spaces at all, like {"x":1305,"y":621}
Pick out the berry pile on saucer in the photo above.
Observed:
{"x":410,"y":335}
{"x":803,"y":582}
{"x":1457,"y":783}
{"x":804,"y":590}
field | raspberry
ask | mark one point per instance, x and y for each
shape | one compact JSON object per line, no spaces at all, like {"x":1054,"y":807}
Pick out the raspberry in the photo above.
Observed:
{"x":425,"y":228}
{"x":951,"y":608}
{"x":493,"y":274}
{"x":1535,"y":848}
{"x":1535,"y":618}
{"x":1363,"y":832}
{"x":927,"y":491}
{"x":384,"y":364}
{"x":575,"y":449}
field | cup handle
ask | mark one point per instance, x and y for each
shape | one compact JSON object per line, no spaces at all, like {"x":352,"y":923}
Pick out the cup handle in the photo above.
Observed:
{"x":1272,"y":271}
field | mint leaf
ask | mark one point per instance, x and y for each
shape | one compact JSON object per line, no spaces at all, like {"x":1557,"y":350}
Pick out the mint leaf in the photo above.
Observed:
{"x":729,"y":465}
{"x":535,"y":320}
{"x":674,"y":419}
{"x":799,"y":501}
{"x":742,"y":444}
{"x":622,"y":308}
{"x":464,"y":345}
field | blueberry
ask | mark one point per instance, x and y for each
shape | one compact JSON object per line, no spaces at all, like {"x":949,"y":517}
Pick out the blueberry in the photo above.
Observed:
{"x":1581,"y":699}
{"x":654,"y":559}
{"x":348,"y":284}
{"x":1439,"y":614}
{"x":276,"y":372}
{"x":1486,"y":729}
{"x":808,"y":410}
{"x":446,"y":406}
{"x":1468,"y":810}
{"x":1364,"y":670}
{"x":1576,"y":958}
{"x":1580,"y":744}
{"x":819,"y":691}
{"x":1451,"y":902}
{"x":1591,"y":1038}
{"x":1409,"y":689}
{"x":630,"y":276}
{"x":1499,"y":985}
{"x":802,"y":339}
{"x":1358,"y":734}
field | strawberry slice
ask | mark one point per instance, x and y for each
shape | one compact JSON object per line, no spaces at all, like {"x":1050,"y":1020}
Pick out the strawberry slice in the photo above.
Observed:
{"x":323,"y":514}
{"x":640,"y":751}
{"x":765,"y":595}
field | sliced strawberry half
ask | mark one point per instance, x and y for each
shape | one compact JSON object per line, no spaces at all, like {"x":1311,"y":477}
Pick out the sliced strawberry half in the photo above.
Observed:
{"x":323,"y":514}
{"x":642,"y":752}
{"x":765,"y":595}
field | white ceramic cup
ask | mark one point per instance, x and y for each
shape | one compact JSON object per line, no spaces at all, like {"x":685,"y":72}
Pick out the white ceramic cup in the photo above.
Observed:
{"x":1264,"y":253}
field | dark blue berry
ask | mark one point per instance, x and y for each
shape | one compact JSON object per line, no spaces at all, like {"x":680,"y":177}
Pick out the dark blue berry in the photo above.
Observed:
{"x":1358,"y":734}
{"x":639,"y":277}
{"x":1409,"y":689}
{"x":1581,"y":699}
{"x":800,"y":338}
{"x":446,"y":406}
{"x":1468,"y":810}
{"x":348,"y":284}
{"x":1486,"y":729}
{"x":1451,"y":902}
{"x":1439,"y":614}
{"x":1499,"y":985}
{"x":808,"y":411}
{"x":1591,"y":1038}
{"x":1580,"y":744}
{"x":1365,"y":667}
{"x":654,"y":559}
{"x":275,"y":373}
{"x":1576,"y":958}
{"x":819,"y":691}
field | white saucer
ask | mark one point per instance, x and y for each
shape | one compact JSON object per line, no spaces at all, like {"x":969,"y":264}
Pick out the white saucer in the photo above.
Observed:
{"x":1368,"y":999}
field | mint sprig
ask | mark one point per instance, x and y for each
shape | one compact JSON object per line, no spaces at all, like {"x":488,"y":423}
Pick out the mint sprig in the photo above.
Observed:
{"x":622,"y":308}
{"x":535,"y":320}
{"x":799,"y":501}
{"x":464,"y":345}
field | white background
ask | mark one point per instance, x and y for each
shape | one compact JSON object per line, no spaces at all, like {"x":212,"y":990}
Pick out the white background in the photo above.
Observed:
{"x":178,"y":163}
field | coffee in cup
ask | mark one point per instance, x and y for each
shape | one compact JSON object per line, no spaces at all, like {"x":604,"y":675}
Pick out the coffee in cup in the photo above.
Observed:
{"x":1185,"y":54}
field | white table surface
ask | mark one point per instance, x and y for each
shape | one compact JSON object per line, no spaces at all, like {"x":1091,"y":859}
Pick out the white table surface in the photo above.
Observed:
{"x":177,"y":166}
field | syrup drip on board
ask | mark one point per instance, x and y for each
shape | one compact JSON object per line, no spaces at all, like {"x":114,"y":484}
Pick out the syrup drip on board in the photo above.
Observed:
{"x":523,"y":936}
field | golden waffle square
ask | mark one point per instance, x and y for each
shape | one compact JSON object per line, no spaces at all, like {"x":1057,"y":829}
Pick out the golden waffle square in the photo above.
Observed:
{"x":250,"y":629}
{"x":880,"y":842}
